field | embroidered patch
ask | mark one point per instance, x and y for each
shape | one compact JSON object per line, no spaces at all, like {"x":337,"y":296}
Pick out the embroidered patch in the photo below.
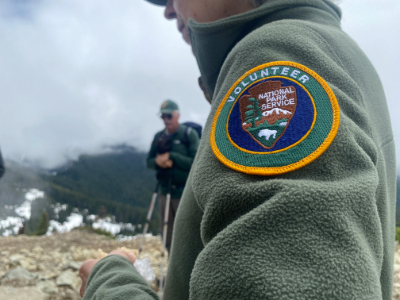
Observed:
{"x":276,"y":118}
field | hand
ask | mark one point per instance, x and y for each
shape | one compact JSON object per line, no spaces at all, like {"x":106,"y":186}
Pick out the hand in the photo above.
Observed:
{"x":169,"y":163}
{"x":88,"y":265}
{"x":129,"y":255}
{"x":163,"y":161}
{"x":84,"y":273}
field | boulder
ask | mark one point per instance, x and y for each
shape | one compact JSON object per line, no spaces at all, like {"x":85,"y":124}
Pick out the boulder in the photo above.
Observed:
{"x":16,"y":258}
{"x":57,"y":256}
{"x":25,"y":251}
{"x":28,"y":264}
{"x":37,"y":250}
{"x":70,"y":279}
{"x":47,"y":286}
{"x":50,"y":274}
{"x":19,"y":273}
{"x":71,"y":295}
{"x":73,"y":265}
{"x":79,"y":254}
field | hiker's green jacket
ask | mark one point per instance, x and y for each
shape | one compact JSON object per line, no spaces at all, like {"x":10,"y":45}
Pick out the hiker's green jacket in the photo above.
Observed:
{"x":324,"y":231}
{"x":185,"y":142}
{"x":2,"y":169}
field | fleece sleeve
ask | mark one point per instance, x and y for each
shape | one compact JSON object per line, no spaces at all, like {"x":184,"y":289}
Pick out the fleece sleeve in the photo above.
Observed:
{"x":115,"y":278}
{"x":313,"y":233}
{"x":185,"y":161}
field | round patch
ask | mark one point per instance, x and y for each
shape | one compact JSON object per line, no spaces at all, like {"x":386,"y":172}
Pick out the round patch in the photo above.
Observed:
{"x":276,"y":118}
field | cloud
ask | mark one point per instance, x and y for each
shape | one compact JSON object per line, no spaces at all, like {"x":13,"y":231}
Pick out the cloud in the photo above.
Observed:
{"x":77,"y":75}
{"x":375,"y":26}
{"x":80,"y":74}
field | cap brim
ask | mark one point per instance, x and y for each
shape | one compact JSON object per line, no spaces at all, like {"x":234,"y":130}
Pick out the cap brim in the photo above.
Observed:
{"x":158,"y":2}
{"x":167,"y":111}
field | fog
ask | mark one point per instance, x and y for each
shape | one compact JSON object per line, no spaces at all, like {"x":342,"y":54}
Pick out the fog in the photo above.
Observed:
{"x":77,"y":76}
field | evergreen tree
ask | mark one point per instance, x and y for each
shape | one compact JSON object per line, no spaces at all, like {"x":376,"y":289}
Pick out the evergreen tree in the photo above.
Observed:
{"x":254,"y":112}
{"x":43,"y":224}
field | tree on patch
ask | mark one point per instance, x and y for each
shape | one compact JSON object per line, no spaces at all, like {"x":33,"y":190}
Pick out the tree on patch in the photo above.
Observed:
{"x":254,"y":112}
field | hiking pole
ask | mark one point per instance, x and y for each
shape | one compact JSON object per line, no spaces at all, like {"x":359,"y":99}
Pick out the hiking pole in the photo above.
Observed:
{"x":164,"y":238}
{"x":146,"y":226}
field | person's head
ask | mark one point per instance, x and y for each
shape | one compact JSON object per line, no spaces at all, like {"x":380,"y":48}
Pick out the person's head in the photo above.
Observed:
{"x":169,"y":113}
{"x":203,"y":11}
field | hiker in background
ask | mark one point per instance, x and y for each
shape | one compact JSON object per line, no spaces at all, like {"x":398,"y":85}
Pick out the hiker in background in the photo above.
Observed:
{"x":171,"y":155}
{"x":282,"y":202}
{"x":2,"y":169}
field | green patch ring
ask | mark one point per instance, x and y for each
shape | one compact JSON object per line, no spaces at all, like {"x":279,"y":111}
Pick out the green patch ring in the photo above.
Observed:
{"x":316,"y":137}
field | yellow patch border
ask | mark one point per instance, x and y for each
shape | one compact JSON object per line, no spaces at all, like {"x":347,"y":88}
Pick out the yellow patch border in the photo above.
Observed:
{"x":301,"y":163}
{"x":280,"y":150}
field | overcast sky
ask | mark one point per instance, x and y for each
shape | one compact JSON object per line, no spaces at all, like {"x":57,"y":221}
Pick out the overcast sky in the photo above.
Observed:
{"x":77,"y":75}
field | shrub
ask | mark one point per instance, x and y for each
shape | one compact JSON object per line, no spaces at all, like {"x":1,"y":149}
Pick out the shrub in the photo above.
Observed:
{"x":43,"y":224}
{"x":398,"y":234}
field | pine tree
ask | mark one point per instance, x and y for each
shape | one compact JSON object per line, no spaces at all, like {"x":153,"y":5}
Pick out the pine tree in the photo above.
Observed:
{"x":43,"y":224}
{"x":254,"y":112}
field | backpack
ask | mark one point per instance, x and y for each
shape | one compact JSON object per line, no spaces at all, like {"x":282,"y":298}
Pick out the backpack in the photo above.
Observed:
{"x":190,"y":126}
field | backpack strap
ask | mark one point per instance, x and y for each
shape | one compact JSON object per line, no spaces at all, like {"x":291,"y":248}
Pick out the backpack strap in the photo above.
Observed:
{"x":185,"y":140}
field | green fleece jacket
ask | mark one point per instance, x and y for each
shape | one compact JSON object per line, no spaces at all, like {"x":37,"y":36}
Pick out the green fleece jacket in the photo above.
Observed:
{"x":185,"y":142}
{"x":324,"y":231}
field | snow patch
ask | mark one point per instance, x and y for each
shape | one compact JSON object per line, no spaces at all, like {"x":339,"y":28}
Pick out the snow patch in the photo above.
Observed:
{"x":11,"y":225}
{"x":58,"y":208}
{"x":74,"y":220}
{"x":108,"y":225}
{"x":77,"y":220}
{"x":25,"y":209}
{"x":277,"y":111}
{"x":125,"y":238}
{"x":91,"y":218}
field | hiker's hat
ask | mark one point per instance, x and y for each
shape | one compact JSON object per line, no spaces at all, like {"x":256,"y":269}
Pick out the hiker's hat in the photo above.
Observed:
{"x":168,"y":107}
{"x":158,"y":2}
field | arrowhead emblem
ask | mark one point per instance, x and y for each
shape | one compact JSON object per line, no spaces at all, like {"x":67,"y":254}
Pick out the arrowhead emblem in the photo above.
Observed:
{"x":267,"y":110}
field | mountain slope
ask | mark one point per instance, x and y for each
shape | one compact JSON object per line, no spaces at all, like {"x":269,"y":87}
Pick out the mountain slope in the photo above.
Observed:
{"x":16,"y":182}
{"x":120,"y":176}
{"x":117,"y":183}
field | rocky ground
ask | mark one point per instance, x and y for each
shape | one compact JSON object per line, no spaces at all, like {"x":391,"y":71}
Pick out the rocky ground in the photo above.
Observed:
{"x":396,"y":279}
{"x":46,"y":267}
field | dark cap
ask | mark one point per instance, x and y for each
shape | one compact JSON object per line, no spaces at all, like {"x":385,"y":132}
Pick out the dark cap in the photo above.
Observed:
{"x":158,"y":2}
{"x":168,"y":107}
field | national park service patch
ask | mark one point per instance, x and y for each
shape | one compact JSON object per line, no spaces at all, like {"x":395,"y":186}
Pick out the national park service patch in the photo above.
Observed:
{"x":276,"y":118}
